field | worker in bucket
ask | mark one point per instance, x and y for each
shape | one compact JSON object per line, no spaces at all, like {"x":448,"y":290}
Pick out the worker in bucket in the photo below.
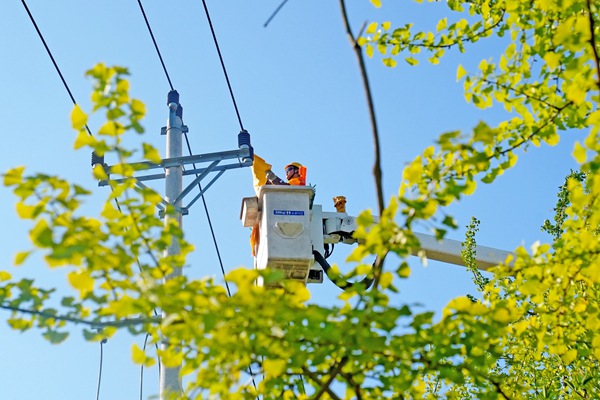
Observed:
{"x":295,"y":173}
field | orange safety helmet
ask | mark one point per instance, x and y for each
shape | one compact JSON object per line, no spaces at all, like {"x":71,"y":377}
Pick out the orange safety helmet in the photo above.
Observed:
{"x":294,"y":164}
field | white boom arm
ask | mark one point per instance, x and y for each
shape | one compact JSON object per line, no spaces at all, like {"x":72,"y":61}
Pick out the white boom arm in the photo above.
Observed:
{"x":290,"y":230}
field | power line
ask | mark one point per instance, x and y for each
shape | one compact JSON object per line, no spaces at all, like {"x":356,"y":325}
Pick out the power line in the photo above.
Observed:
{"x":93,"y":155}
{"x":142,"y":367}
{"x":100,"y":368}
{"x":187,"y":141}
{"x":275,"y":13}
{"x":155,"y":44}
{"x":62,"y":78}
{"x":185,"y":135}
{"x":190,"y":148}
{"x":237,"y":112}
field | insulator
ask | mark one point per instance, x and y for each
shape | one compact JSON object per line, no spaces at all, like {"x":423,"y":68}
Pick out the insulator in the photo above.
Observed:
{"x":179,"y":111}
{"x":244,"y":139}
{"x":173,"y":97}
{"x":96,"y":159}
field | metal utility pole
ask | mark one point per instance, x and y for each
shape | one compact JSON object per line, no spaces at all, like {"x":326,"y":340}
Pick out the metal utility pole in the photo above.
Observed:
{"x":170,"y":381}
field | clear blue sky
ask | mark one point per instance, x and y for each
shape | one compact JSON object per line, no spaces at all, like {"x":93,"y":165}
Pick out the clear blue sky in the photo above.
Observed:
{"x":299,"y":92}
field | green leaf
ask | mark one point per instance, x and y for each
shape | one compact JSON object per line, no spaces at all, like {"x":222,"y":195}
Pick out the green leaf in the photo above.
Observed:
{"x":20,"y":257}
{"x":92,"y":336}
{"x":139,"y":357}
{"x":579,"y":153}
{"x":13,"y":176}
{"x":28,"y":212}
{"x":41,"y":234}
{"x":274,"y":368}
{"x":403,"y":270}
{"x":5,"y":276}
{"x":441,"y":24}
{"x":460,"y":72}
{"x":151,"y":154}
{"x":372,"y":28}
{"x":56,"y":337}
{"x":82,"y":281}
{"x":389,"y":62}
{"x":84,"y":139}
{"x":78,"y":118}
{"x":552,"y":139}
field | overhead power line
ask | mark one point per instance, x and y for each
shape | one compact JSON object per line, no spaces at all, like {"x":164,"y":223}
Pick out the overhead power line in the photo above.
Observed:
{"x":275,"y":13}
{"x":212,"y":30}
{"x":100,"y":368}
{"x":155,"y":45}
{"x":62,"y":78}
{"x":185,"y":135}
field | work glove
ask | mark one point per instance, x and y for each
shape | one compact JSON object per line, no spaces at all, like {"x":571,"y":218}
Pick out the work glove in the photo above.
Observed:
{"x":271,"y":175}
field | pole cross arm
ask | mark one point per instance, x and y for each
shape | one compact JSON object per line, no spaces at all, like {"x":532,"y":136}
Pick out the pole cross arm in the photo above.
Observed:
{"x":242,"y":155}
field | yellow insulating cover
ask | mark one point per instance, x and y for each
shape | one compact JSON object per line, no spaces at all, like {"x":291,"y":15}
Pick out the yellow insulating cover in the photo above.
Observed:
{"x":259,"y":172}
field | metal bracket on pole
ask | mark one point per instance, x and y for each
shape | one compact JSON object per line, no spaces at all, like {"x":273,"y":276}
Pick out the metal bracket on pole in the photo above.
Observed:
{"x":242,"y":156}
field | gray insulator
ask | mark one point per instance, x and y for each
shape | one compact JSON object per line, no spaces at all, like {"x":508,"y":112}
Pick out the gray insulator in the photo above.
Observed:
{"x":96,"y":159}
{"x":244,"y":139}
{"x":173,"y":97}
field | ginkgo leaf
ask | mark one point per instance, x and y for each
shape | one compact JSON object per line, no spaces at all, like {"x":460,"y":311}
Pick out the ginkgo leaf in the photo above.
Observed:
{"x":82,"y":281}
{"x":275,"y":367}
{"x":78,"y":118}
{"x":13,"y":176}
{"x":460,"y":72}
{"x":579,"y":153}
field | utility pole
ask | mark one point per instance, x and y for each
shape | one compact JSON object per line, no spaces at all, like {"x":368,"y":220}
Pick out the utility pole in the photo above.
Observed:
{"x":170,"y":381}
{"x":217,"y":163}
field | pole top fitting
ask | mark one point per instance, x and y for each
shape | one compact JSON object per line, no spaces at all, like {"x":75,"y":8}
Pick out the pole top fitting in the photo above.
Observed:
{"x":172,"y":97}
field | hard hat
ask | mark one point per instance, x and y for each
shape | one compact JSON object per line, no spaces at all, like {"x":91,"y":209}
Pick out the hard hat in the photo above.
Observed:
{"x":294,"y":164}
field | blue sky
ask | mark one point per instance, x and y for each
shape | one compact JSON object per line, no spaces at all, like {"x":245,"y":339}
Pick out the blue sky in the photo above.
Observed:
{"x":300,"y":96}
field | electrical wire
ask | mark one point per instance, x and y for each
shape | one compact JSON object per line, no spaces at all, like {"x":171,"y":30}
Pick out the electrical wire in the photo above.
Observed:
{"x":56,"y":67}
{"x":155,"y":44}
{"x":275,"y":13}
{"x":212,"y":30}
{"x":212,"y":232}
{"x":186,"y":136}
{"x":142,"y":368}
{"x":100,"y":368}
{"x":237,"y":112}
{"x":188,"y":142}
{"x":62,"y":78}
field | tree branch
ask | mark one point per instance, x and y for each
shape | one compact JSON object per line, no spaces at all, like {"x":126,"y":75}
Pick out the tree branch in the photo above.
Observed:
{"x":316,"y":379}
{"x":353,"y":384}
{"x":336,"y":371}
{"x":93,"y":324}
{"x":593,"y":41}
{"x":363,"y":72}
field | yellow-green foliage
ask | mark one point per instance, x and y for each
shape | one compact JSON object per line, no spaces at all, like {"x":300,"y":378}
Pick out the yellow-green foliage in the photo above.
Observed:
{"x":535,"y":334}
